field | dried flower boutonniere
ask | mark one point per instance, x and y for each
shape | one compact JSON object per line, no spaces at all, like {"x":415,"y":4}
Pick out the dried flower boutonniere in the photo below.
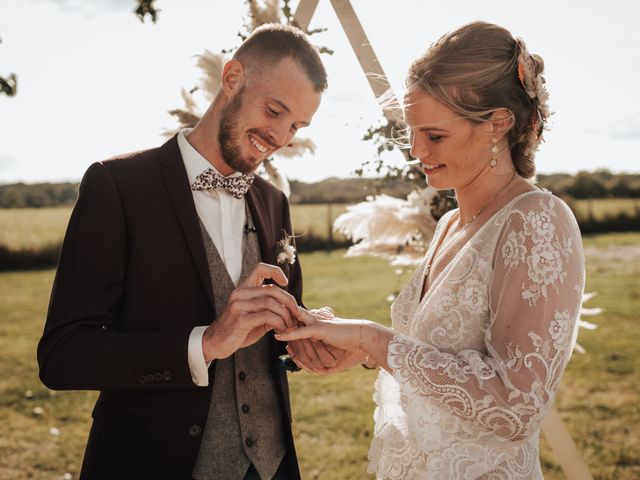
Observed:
{"x":285,"y":251}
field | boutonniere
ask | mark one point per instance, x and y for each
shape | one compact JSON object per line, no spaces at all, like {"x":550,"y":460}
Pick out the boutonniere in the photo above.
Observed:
{"x":285,"y":251}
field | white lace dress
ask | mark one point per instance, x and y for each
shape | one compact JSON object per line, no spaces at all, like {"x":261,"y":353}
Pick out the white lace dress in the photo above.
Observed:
{"x":476,"y":363}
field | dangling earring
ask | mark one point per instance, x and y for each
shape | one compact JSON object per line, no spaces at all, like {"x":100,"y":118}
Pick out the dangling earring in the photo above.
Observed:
{"x":494,"y":151}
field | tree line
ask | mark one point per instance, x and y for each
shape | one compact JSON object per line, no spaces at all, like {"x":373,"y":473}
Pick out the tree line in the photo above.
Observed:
{"x":584,"y":185}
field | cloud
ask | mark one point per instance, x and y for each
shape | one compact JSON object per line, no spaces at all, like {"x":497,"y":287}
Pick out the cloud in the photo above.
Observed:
{"x":93,"y":7}
{"x":627,"y":129}
{"x":7,"y":161}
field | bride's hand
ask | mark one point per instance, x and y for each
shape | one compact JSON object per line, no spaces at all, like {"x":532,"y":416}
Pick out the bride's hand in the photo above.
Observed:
{"x":312,"y":316}
{"x":338,"y":332}
{"x":314,"y":356}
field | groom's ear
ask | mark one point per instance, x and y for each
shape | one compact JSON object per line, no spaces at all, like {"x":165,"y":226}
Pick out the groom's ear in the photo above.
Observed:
{"x":233,"y":77}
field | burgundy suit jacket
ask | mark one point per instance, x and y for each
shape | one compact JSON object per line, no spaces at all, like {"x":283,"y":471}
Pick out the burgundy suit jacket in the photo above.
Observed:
{"x":132,"y":282}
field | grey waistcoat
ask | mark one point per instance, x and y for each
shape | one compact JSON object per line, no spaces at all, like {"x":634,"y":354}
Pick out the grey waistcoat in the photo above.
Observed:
{"x":244,"y":424}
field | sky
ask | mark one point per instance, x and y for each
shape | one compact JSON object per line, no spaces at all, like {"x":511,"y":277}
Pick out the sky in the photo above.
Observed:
{"x":94,"y":82}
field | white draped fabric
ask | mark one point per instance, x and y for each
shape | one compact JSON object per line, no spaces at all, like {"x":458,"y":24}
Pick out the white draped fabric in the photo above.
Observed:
{"x":477,"y":362}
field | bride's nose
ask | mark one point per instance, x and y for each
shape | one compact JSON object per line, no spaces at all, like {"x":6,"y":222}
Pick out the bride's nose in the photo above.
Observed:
{"x":419,"y":150}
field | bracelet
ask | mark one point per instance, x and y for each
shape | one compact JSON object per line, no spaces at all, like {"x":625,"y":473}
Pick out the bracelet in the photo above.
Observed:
{"x":366,"y":365}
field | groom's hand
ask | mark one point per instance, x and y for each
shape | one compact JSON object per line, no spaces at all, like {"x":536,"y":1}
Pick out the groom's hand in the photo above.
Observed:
{"x":253,"y":309}
{"x":344,"y":359}
{"x":313,"y":355}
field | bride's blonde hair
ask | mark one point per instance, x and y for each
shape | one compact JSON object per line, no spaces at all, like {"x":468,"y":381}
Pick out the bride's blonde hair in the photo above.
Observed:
{"x":481,"y":67}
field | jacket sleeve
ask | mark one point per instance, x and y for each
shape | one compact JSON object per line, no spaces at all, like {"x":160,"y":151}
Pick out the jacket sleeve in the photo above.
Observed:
{"x":84,"y":345}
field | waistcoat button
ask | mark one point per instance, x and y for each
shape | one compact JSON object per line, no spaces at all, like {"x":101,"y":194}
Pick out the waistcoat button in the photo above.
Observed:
{"x":195,"y":431}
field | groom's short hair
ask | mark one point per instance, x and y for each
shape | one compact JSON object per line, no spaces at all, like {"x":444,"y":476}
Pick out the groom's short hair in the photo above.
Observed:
{"x":270,"y":43}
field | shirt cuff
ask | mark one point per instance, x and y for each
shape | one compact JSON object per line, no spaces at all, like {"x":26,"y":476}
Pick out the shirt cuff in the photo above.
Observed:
{"x":197,"y":365}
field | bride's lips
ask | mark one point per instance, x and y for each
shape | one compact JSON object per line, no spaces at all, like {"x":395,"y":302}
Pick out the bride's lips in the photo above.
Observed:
{"x":430,"y":169}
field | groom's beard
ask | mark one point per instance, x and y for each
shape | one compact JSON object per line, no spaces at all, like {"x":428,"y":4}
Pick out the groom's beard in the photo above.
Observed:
{"x":229,"y":138}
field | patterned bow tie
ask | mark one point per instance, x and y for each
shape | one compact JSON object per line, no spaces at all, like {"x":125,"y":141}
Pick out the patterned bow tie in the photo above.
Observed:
{"x":236,"y":186}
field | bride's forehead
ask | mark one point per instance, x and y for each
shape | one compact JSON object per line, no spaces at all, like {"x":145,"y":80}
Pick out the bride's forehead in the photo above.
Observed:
{"x":421,"y":108}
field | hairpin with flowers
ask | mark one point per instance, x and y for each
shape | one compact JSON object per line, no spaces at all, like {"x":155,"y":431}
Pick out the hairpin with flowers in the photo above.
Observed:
{"x":533,"y":84}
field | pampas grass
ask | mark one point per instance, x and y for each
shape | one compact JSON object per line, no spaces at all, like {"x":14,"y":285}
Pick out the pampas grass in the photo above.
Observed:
{"x":261,"y":12}
{"x":392,"y":228}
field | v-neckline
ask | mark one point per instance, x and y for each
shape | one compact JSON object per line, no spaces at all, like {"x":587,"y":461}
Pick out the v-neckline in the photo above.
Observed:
{"x":431,"y":252}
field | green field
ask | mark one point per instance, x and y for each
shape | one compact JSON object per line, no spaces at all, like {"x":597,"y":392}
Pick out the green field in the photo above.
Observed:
{"x":599,"y":399}
{"x":32,"y":228}
{"x":601,"y":207}
{"x":316,"y":219}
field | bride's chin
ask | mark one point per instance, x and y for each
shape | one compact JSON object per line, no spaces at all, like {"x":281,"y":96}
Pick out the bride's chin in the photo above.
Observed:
{"x":438,"y":185}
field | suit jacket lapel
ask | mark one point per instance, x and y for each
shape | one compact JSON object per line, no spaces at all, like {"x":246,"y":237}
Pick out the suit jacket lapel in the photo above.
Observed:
{"x":177,"y":184}
{"x":260,"y":219}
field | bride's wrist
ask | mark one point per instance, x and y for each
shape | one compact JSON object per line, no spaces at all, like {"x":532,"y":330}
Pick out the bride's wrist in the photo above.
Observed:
{"x":367,"y":361}
{"x":375,"y":340}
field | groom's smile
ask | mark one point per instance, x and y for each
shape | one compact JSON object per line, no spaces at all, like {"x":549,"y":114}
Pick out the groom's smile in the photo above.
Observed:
{"x":259,"y":146}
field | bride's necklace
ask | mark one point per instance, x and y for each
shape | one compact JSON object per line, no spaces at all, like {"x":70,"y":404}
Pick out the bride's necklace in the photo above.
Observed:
{"x":465,"y":225}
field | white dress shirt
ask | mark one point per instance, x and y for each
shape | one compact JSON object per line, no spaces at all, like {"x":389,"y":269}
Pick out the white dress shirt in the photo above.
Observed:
{"x":223,"y":216}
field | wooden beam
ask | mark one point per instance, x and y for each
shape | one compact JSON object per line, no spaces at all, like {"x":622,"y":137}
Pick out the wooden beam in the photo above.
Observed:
{"x":304,"y":13}
{"x":562,"y":445}
{"x":367,"y":57}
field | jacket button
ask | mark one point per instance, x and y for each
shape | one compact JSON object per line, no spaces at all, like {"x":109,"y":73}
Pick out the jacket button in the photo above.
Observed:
{"x":248,"y":442}
{"x":167,"y":375}
{"x":195,"y":431}
{"x":245,"y":408}
{"x":242,"y":376}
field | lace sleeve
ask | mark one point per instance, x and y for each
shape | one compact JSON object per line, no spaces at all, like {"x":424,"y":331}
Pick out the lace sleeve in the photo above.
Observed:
{"x":534,"y":299}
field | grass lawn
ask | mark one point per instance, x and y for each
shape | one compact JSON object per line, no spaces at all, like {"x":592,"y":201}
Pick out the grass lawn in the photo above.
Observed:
{"x":599,"y":399}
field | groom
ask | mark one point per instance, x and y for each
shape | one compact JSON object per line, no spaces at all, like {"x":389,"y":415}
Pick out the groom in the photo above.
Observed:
{"x":158,"y":300}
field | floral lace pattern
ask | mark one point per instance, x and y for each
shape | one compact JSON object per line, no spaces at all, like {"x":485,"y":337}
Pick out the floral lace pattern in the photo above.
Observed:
{"x":477,"y":362}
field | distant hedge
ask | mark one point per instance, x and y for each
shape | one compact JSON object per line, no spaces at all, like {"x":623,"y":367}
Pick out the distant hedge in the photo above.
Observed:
{"x":28,"y":259}
{"x":620,"y":222}
{"x":47,"y":257}
{"x":38,"y":195}
{"x":598,"y":184}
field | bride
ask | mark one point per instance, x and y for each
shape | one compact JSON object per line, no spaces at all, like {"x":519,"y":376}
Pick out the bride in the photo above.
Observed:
{"x":483,"y":330}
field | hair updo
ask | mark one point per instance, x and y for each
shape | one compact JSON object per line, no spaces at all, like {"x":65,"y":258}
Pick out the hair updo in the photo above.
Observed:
{"x":479,"y":68}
